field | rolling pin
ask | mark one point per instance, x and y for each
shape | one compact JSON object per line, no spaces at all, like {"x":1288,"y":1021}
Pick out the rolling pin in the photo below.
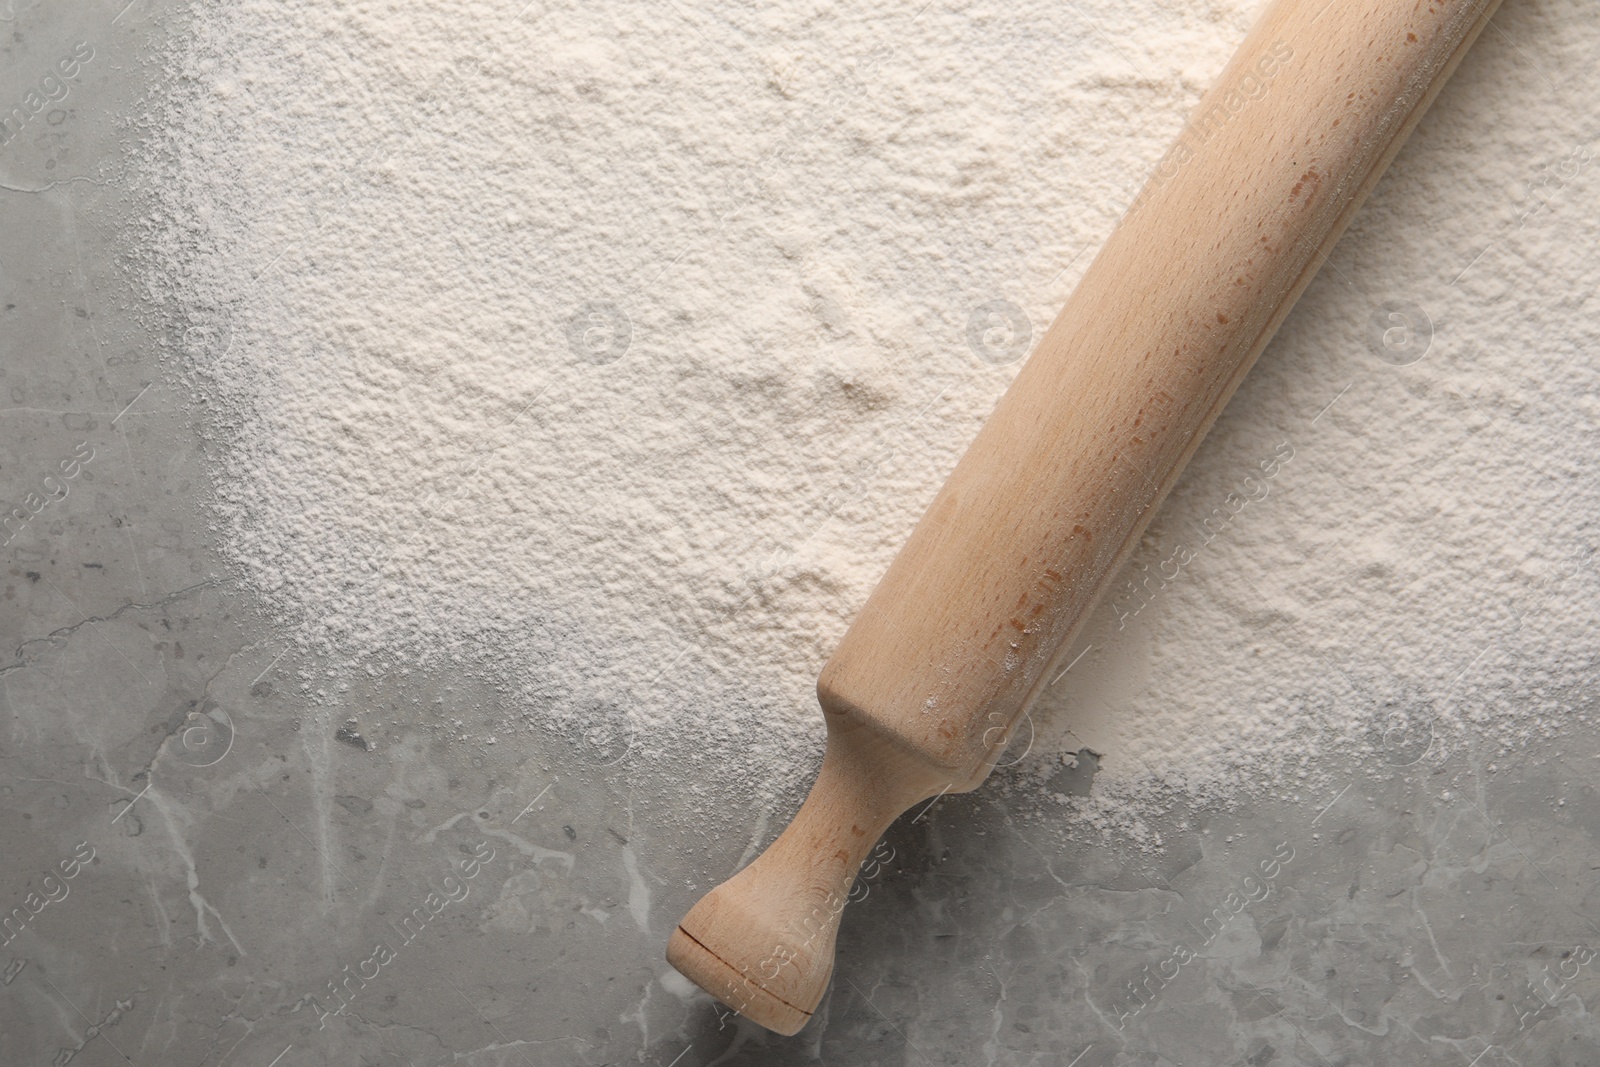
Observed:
{"x":968,"y":623}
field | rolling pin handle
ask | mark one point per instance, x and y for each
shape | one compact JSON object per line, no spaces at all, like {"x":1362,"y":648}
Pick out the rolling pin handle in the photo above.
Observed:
{"x":763,"y":941}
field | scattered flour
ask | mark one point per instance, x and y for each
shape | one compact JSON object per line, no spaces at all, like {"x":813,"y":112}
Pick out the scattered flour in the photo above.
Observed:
{"x":611,"y":351}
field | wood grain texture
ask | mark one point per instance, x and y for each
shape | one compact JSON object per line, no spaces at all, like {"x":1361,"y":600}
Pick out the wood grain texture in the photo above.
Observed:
{"x":1006,"y":564}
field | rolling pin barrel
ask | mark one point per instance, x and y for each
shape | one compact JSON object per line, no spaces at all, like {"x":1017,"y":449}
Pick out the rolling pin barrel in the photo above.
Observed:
{"x":1012,"y":554}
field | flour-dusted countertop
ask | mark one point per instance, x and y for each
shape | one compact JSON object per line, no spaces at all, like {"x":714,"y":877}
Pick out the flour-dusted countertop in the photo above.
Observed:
{"x":445,"y":445}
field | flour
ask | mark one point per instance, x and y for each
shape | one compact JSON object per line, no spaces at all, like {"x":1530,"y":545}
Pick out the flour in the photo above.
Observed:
{"x":610,"y":353}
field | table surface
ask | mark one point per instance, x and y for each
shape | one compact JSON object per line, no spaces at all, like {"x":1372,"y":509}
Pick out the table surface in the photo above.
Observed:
{"x":194,"y":849}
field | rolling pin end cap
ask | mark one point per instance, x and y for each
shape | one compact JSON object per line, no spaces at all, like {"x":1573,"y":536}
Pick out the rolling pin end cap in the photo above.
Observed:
{"x":710,"y":972}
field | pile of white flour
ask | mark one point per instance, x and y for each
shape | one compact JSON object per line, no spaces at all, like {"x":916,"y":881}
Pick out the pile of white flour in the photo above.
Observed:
{"x":612,"y":350}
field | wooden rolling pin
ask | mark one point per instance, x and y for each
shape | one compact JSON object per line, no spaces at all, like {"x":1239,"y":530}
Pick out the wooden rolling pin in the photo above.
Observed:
{"x":965,"y":628}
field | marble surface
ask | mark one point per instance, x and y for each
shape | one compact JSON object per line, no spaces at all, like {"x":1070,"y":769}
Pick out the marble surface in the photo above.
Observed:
{"x":203,"y":866}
